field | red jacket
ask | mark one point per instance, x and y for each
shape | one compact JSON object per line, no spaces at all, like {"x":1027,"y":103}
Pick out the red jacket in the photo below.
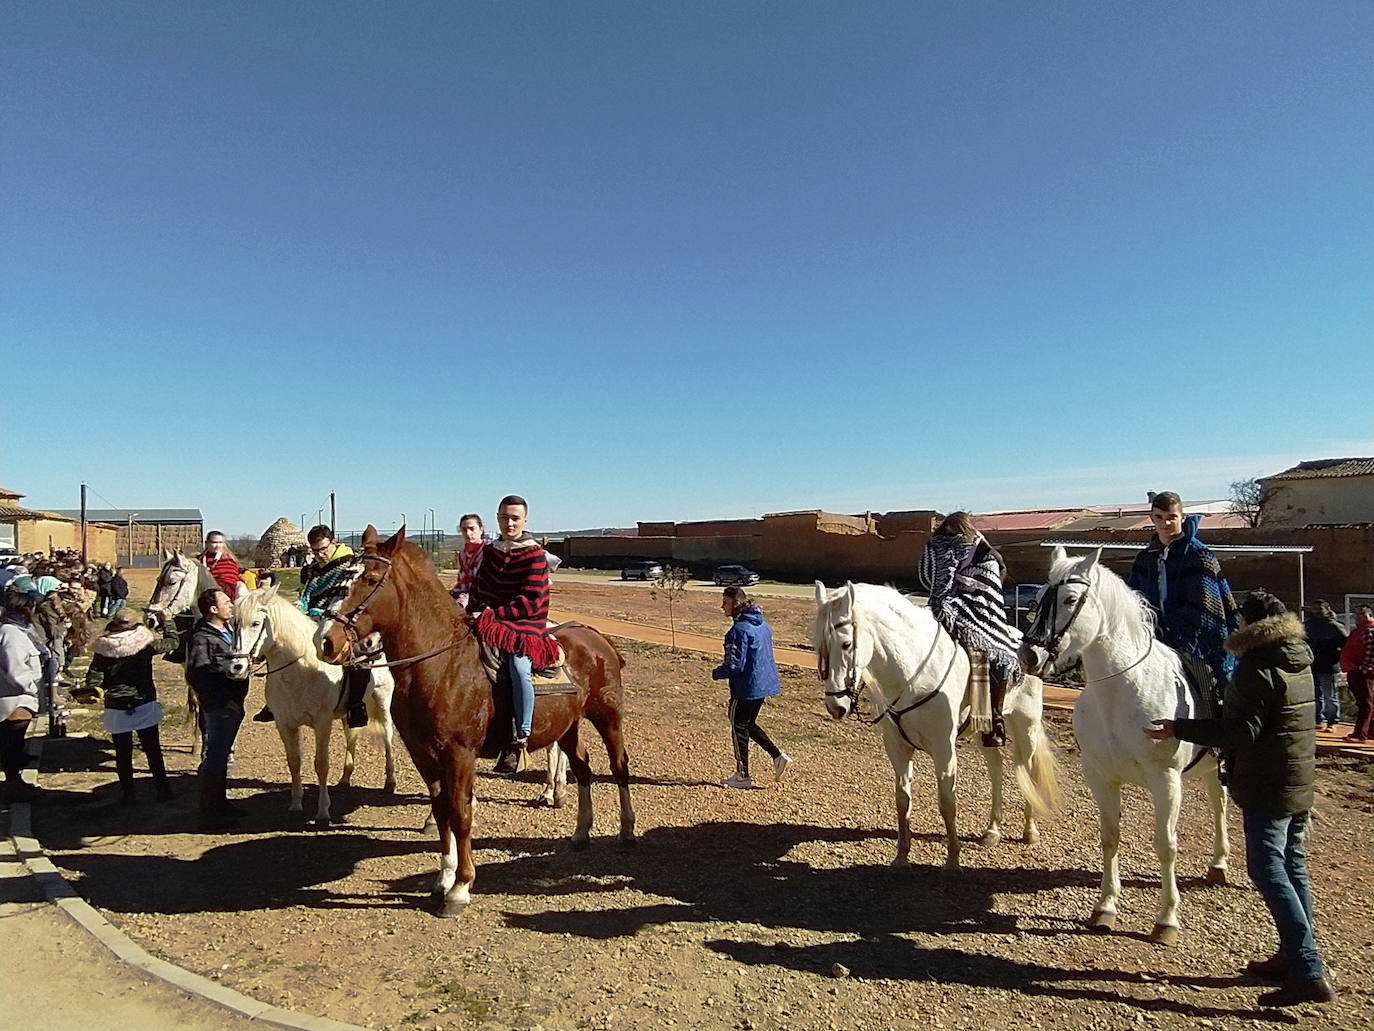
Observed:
{"x":1358,"y":654}
{"x":226,"y":573}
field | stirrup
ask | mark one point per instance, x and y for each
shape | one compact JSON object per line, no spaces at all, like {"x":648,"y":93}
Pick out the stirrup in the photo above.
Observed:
{"x":511,"y":760}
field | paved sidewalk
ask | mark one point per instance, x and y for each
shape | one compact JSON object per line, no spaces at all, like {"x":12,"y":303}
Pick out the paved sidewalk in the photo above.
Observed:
{"x":64,"y":967}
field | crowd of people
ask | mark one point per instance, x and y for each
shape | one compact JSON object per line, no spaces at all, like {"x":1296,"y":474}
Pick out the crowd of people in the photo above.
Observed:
{"x":1271,"y":680}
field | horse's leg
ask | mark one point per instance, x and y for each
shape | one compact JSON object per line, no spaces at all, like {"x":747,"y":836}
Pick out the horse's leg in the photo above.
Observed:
{"x":291,"y":741}
{"x":993,"y":835}
{"x":322,"y":728}
{"x":1168,"y":794}
{"x":551,"y":756}
{"x":461,"y":781}
{"x":946,"y":782}
{"x":1107,"y":794}
{"x":612,"y":733}
{"x":383,"y":716}
{"x":560,"y":777}
{"x":350,"y":756}
{"x":900,"y":755}
{"x":576,"y":750}
{"x":1221,"y":845}
{"x":431,"y":824}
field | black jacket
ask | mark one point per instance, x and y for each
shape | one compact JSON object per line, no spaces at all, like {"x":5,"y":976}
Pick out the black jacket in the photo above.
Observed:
{"x":1268,"y":734}
{"x":1326,"y":638}
{"x":122,"y":666}
{"x":207,"y":668}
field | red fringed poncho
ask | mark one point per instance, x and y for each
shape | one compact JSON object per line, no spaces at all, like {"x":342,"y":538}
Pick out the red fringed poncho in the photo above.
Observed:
{"x":512,"y":584}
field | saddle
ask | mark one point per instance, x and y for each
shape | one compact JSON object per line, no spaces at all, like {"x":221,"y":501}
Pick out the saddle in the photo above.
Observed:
{"x":547,"y":681}
{"x":1202,"y":684}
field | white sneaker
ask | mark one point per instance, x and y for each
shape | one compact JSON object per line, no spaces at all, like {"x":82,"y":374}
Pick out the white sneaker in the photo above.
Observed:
{"x":738,"y":780}
{"x":780,"y":765}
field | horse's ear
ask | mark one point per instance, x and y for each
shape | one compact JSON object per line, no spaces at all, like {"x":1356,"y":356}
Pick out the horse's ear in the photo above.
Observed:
{"x":270,"y":591}
{"x":370,"y":537}
{"x":397,"y":539}
{"x":166,"y":555}
{"x":849,"y":594}
{"x":1093,"y":559}
{"x":820,"y":594}
{"x":1058,"y":555}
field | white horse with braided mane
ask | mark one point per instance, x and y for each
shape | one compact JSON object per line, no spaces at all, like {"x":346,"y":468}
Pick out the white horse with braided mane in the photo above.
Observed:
{"x":871,"y":638}
{"x":1087,"y":612}
{"x":303,"y":691}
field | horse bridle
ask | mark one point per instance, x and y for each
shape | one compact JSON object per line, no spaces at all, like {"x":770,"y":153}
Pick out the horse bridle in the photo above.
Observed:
{"x":851,"y":690}
{"x":348,"y":621}
{"x":851,"y":678}
{"x":1045,"y":617}
{"x":1038,"y":634}
{"x":252,"y":661}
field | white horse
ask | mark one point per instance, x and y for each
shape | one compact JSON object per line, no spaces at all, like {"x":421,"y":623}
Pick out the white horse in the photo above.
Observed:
{"x":1088,"y":612}
{"x":180,"y":582}
{"x":303,"y":691}
{"x":873,"y":637}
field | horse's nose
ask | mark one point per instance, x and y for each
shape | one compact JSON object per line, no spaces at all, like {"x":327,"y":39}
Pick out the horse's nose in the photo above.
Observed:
{"x":326,"y":647}
{"x":1031,"y":657}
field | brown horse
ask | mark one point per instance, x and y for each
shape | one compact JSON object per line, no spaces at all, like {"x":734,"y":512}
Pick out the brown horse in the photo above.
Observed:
{"x":444,"y":706}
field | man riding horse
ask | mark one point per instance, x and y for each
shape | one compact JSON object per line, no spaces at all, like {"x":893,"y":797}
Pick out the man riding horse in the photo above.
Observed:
{"x":323,"y":583}
{"x":510,"y":598}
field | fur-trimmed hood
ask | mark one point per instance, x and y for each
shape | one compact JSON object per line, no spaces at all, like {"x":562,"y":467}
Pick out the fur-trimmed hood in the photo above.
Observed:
{"x":1283,"y":633}
{"x":122,"y":644}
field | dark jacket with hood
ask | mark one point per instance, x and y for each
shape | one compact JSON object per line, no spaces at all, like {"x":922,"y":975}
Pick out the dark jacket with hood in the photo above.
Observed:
{"x":1268,"y":735}
{"x":208,"y":656}
{"x":1326,"y":638}
{"x":749,"y":664}
{"x":122,"y":666}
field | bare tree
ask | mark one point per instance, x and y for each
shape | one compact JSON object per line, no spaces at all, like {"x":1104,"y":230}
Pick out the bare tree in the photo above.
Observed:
{"x":672,"y":584}
{"x":1248,"y":498}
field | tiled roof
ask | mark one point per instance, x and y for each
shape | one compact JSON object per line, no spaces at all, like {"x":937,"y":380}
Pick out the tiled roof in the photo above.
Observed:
{"x":1324,"y":467}
{"x":8,"y":510}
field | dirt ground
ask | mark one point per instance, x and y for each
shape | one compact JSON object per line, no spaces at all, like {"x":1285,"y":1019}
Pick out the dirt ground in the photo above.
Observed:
{"x":772,"y":908}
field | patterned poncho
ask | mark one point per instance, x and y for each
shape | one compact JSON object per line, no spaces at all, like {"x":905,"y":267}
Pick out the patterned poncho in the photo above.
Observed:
{"x":324,"y":584}
{"x":1197,"y":611}
{"x":965,"y":584}
{"x":512,"y":592}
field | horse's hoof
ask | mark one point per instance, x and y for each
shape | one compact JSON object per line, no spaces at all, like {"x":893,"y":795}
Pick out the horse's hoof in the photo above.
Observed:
{"x":628,"y":843}
{"x":389,"y":787}
{"x":430,"y":827}
{"x":1164,"y":935}
{"x":580,"y":844}
{"x":1216,"y":875}
{"x":1102,"y":923}
{"x":320,"y":823}
{"x":989,"y":839}
{"x":344,"y":782}
{"x":1032,"y":837}
{"x":450,"y":910}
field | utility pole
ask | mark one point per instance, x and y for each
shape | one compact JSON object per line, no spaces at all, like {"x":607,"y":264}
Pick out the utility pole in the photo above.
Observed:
{"x":83,"y":525}
{"x":333,"y":515}
{"x":131,"y":537}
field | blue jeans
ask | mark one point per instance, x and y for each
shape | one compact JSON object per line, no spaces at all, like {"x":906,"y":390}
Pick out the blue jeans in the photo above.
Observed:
{"x":220,"y":726}
{"x":1328,"y":697}
{"x":518,"y":669}
{"x":1276,"y":859}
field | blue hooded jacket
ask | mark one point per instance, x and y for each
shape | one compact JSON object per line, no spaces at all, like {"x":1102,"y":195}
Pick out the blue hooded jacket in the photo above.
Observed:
{"x":749,"y":662}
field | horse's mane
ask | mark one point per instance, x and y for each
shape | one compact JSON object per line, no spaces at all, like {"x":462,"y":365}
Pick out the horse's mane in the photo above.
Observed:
{"x":1122,"y":607}
{"x":292,"y":629}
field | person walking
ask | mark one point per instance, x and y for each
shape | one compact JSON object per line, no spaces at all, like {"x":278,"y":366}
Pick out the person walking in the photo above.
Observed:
{"x":119,"y":591}
{"x":1267,"y":735}
{"x":1325,"y":637}
{"x":752,"y":671}
{"x":1357,"y":662}
{"x":962,"y":573}
{"x":220,"y":697}
{"x":103,"y":577}
{"x":122,"y":670}
{"x":1183,"y":582}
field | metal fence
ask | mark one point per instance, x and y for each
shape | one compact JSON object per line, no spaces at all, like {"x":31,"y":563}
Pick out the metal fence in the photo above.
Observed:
{"x":434,"y":542}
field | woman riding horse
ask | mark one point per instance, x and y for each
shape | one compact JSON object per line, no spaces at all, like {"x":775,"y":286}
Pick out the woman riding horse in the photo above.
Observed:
{"x":963,"y":574}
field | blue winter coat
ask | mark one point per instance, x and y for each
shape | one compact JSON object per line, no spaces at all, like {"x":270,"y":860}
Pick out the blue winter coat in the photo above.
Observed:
{"x":749,"y":662}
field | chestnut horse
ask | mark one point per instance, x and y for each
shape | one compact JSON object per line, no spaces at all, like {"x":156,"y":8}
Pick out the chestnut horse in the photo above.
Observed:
{"x":444,"y":707}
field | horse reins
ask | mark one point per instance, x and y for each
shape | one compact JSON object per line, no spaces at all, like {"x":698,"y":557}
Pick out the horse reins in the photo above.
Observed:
{"x":1045,"y":619}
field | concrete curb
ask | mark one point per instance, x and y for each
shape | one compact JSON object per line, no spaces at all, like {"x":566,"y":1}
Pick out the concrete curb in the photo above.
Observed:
{"x":61,"y":894}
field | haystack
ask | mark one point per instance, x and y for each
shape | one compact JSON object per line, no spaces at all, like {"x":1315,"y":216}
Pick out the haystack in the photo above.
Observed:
{"x":280,"y":537}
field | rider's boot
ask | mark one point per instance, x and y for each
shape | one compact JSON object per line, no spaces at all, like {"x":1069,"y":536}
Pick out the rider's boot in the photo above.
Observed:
{"x":997,"y":691}
{"x":355,"y":680}
{"x":512,"y":758}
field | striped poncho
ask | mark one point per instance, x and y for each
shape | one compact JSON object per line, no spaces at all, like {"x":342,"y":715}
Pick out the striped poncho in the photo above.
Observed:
{"x":965,"y":584}
{"x":511,"y":590}
{"x":324,"y":584}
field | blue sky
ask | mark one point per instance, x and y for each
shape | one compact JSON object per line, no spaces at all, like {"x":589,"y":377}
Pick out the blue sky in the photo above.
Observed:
{"x":644,"y":261}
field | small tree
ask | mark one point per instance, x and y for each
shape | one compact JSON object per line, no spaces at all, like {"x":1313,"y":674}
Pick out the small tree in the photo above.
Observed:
{"x":1248,"y":498}
{"x":672,"y":584}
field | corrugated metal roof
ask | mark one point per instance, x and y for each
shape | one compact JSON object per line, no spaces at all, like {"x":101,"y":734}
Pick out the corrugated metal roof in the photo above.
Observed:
{"x":140,"y":515}
{"x":1325,"y":467}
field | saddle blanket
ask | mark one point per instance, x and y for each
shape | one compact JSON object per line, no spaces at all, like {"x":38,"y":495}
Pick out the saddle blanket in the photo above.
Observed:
{"x":551,"y":680}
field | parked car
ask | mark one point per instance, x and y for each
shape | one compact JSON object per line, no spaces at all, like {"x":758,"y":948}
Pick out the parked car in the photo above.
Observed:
{"x":1020,"y":602}
{"x":641,"y":569}
{"x":9,"y":556}
{"x":726,"y":575}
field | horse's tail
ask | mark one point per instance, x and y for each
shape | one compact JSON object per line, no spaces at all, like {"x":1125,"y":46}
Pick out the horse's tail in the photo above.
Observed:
{"x":1038,"y":777}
